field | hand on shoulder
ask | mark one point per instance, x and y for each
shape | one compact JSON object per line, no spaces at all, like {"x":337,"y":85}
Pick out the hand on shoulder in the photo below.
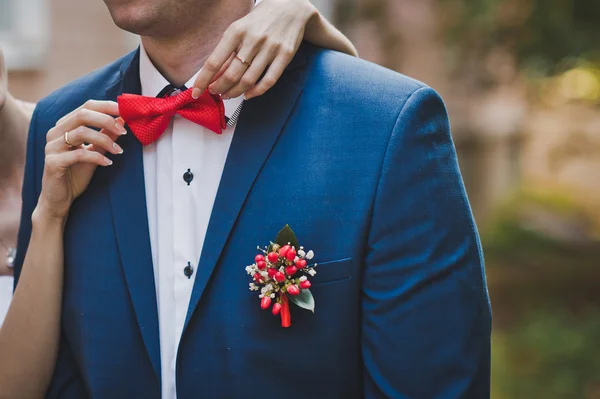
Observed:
{"x":255,"y":50}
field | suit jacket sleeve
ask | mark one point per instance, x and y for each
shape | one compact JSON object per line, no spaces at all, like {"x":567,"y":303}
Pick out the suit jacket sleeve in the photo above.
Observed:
{"x":426,"y":318}
{"x":66,"y":382}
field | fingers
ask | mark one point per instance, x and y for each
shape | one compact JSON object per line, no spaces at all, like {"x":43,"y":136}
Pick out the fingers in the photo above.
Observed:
{"x":238,"y":67}
{"x":252,"y":74}
{"x":85,"y":117}
{"x":271,"y":77}
{"x":105,"y":107}
{"x":112,"y":136}
{"x":259,"y":47}
{"x":67,"y":159}
{"x":230,"y":42}
{"x":81,"y":135}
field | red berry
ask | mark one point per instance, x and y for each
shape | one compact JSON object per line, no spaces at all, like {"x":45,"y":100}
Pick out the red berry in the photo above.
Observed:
{"x":301,"y":264}
{"x":265,"y":302}
{"x":272,"y":272}
{"x":291,"y":254}
{"x":291,"y":270}
{"x":293,"y":290}
{"x":259,"y":258}
{"x":261,"y":264}
{"x":284,"y":250}
{"x":276,"y":308}
{"x":273,"y":257}
{"x":258,"y":277}
{"x":305,"y":284}
{"x":280,"y":277}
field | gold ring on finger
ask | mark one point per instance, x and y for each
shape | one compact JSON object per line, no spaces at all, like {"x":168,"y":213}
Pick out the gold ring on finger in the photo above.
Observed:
{"x":67,"y":142}
{"x":243,"y":60}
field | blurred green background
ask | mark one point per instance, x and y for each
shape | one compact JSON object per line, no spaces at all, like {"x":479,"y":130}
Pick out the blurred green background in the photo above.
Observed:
{"x":521,"y":79}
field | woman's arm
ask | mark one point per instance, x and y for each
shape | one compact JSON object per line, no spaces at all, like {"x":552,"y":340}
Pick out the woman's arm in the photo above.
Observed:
{"x":256,"y":49}
{"x":320,"y":32}
{"x":29,"y":337}
{"x":30,"y":333}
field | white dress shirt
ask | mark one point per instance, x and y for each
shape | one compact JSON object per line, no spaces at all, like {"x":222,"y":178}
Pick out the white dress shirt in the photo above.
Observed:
{"x":178,"y":212}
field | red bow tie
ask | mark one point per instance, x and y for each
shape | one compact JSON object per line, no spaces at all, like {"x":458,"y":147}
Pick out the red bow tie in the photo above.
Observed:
{"x":149,"y":117}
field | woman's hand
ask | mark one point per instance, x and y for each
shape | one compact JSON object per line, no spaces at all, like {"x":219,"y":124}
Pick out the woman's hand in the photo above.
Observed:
{"x":265,"y":39}
{"x":70,"y":163}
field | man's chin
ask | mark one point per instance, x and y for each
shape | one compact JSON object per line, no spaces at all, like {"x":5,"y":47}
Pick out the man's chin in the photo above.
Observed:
{"x":138,"y":26}
{"x":135,"y":27}
{"x":130,"y":16}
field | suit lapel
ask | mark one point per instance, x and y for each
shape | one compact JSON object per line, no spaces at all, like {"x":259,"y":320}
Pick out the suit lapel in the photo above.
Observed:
{"x":261,"y":122}
{"x":128,"y":202}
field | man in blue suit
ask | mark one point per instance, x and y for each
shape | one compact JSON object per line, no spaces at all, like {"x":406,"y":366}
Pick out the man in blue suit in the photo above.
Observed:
{"x":359,"y":160}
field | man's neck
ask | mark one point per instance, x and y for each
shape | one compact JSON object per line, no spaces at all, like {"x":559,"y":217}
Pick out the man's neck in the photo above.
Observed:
{"x":178,"y":57}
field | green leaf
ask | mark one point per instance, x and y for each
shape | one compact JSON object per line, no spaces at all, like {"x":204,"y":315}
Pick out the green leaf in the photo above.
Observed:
{"x":286,"y":235}
{"x":305,"y":300}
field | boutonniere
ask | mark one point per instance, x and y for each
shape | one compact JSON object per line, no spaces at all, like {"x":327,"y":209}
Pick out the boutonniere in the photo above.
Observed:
{"x":281,"y":274}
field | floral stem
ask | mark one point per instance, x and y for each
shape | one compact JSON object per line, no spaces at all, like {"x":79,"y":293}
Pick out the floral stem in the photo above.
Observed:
{"x":286,"y":318}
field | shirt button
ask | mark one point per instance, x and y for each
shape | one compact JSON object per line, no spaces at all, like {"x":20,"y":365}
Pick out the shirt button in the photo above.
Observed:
{"x":188,"y":177}
{"x":188,"y":270}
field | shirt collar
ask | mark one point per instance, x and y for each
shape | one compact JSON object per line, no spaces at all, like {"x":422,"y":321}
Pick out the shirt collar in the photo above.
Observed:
{"x":152,"y":82}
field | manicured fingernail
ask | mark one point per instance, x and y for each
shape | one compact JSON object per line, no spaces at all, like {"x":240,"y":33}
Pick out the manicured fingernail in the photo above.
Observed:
{"x":224,"y":97}
{"x":108,"y":161}
{"x":196,"y":93}
{"x":120,"y":129}
{"x":211,"y":91}
{"x":117,"y":148}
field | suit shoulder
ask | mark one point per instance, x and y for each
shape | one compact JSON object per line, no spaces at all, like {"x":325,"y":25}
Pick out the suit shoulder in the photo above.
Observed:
{"x":72,"y":95}
{"x":361,"y":92}
{"x":340,"y":75}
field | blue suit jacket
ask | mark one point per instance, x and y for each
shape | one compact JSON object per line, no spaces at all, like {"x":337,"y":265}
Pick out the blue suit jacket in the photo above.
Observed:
{"x":360,"y":162}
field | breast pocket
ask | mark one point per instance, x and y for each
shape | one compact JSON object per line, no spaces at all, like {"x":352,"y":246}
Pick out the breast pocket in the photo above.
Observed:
{"x":332,"y":271}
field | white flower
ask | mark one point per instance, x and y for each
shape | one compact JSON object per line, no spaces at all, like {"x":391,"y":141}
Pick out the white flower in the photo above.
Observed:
{"x":253,"y":287}
{"x":303,"y":278}
{"x":312,"y":272}
{"x":310,"y":255}
{"x":263,"y":290}
{"x":269,"y":287}
{"x":272,"y":296}
{"x":261,"y":296}
{"x":282,"y":269}
{"x":249,"y":269}
{"x":301,"y":253}
{"x":264,"y":273}
{"x":296,"y":259}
